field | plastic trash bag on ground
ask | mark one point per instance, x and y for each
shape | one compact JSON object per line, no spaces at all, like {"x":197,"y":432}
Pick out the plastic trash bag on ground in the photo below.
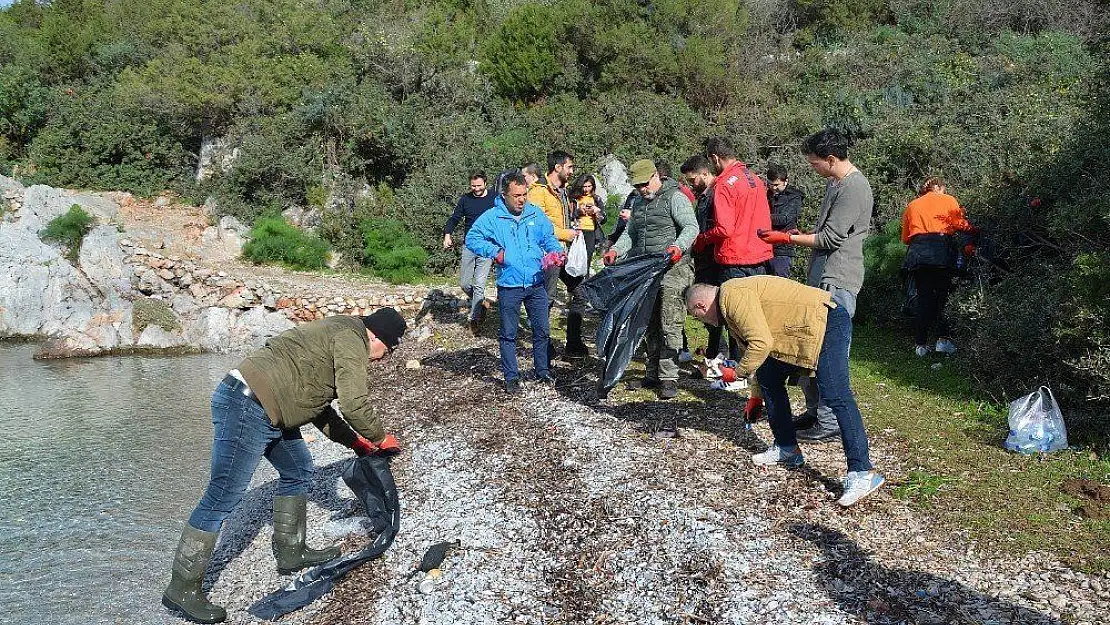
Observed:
{"x":625,"y":295}
{"x":1036,"y":424}
{"x":578,"y":258}
{"x":372,"y":482}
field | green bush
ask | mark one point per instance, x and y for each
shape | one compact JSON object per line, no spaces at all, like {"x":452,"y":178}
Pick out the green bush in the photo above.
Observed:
{"x":147,"y":312}
{"x":883,"y":253}
{"x":273,"y":240}
{"x":90,"y":141}
{"x":391,"y":252}
{"x":69,"y":229}
{"x":521,"y":57}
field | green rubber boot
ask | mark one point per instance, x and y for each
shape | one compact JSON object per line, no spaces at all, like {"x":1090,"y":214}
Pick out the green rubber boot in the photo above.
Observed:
{"x":189,"y":563}
{"x":289,"y":532}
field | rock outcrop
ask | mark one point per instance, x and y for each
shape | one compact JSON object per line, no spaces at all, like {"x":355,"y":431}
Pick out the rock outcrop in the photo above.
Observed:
{"x":120,"y":296}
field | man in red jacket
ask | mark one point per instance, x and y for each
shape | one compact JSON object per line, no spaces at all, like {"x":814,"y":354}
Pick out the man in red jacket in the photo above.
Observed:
{"x":740,"y":211}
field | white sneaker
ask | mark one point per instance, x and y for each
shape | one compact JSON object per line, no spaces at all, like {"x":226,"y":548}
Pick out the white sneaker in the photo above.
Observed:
{"x":685,"y":356}
{"x":921,"y":351}
{"x":778,"y":455}
{"x":944,"y":346}
{"x":858,"y":485}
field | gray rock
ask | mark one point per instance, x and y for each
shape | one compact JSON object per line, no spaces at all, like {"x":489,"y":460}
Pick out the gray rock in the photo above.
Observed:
{"x":217,"y":155}
{"x":11,"y":194}
{"x":210,"y":330}
{"x":41,"y":293}
{"x":155,"y":337}
{"x":42,"y":203}
{"x":103,"y":262}
{"x":612,"y":179}
{"x":256,"y":325}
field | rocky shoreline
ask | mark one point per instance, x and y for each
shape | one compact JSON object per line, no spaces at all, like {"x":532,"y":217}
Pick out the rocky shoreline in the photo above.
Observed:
{"x":124,"y":292}
{"x":569,"y":511}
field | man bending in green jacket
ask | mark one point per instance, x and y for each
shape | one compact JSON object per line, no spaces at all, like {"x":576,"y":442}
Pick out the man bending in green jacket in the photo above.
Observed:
{"x":257,"y":412}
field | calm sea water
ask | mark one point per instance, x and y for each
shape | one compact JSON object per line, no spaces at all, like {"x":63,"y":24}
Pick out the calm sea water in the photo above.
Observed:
{"x":101,"y":460}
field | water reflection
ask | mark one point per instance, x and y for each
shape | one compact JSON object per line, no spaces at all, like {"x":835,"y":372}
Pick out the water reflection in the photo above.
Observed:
{"x":100,"y":460}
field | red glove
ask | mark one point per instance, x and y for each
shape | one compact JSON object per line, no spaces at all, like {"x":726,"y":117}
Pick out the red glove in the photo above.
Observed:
{"x":969,"y":250}
{"x":699,"y":244}
{"x":728,"y":374}
{"x":753,"y":411}
{"x":609,"y":257}
{"x":500,"y":258}
{"x":363,"y":447}
{"x":774,"y":237}
{"x":675,"y":253}
{"x":389,"y":446}
{"x":553,"y":259}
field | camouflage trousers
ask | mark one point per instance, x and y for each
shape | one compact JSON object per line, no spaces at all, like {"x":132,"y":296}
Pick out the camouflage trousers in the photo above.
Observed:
{"x":664,"y":333}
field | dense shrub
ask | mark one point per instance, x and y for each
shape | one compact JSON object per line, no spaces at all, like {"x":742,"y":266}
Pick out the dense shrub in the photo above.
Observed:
{"x":378,"y":111}
{"x":69,"y":229}
{"x":89,"y":141}
{"x":273,"y":240}
{"x":391,"y":251}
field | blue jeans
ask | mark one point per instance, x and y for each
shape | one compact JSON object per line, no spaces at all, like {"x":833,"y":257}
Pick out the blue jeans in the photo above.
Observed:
{"x":834,"y":385}
{"x":243,"y":435}
{"x":815,"y":408}
{"x":535,"y":302}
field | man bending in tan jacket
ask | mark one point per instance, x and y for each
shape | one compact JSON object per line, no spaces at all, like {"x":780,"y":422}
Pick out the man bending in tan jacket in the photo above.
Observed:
{"x":786,"y":327}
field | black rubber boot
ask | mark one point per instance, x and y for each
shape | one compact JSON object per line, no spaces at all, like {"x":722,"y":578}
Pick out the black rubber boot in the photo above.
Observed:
{"x":575,"y":347}
{"x":184,"y":594}
{"x":290,"y":550}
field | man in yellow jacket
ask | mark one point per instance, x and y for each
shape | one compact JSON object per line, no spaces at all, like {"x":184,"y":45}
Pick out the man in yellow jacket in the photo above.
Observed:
{"x":550,"y":195}
{"x":786,"y":327}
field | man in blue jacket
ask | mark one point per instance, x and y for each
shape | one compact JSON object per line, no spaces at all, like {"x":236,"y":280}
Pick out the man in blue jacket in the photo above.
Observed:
{"x":521,"y":240}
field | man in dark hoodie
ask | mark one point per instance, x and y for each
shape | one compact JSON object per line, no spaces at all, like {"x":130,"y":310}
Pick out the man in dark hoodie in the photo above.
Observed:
{"x":257,"y":411}
{"x":786,"y":208}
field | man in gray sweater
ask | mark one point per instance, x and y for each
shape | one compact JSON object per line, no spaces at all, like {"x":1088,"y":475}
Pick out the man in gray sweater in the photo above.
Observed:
{"x":836,"y":264}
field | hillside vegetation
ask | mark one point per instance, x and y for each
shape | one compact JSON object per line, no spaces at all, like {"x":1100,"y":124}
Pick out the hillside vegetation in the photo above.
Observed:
{"x":375,"y":110}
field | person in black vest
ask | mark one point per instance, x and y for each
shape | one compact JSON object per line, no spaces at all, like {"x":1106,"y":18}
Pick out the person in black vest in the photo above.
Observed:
{"x":786,"y":208}
{"x":473,"y":269}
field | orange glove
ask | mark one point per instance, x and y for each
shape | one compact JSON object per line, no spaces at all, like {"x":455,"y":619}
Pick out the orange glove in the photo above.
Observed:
{"x":609,"y":257}
{"x":753,"y":411}
{"x":500,"y":258}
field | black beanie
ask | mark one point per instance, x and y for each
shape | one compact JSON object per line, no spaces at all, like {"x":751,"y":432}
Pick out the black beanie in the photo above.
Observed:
{"x":388,"y":325}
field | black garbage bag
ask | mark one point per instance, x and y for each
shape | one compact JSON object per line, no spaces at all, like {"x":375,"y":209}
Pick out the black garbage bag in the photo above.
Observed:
{"x":372,"y":482}
{"x":625,"y":296}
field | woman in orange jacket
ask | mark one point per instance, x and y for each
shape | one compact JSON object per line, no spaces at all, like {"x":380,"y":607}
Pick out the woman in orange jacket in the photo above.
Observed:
{"x":929,"y":228}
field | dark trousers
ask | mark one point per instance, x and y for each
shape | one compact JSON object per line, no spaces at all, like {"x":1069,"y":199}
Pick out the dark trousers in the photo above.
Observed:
{"x":535,"y":301}
{"x":835,"y":387}
{"x":780,"y":266}
{"x":933,"y":286}
{"x":728,"y":272}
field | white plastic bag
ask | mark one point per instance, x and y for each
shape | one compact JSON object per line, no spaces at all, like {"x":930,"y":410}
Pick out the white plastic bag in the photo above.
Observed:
{"x":1036,"y":424}
{"x":578,"y":261}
